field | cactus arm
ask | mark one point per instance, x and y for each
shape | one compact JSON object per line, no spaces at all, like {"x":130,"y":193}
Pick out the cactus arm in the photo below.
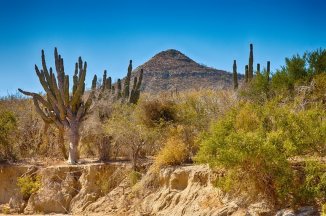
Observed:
{"x":91,"y":95}
{"x":40,"y":111}
{"x":45,"y":84}
{"x":66,"y":90}
{"x":37,"y":96}
{"x":76,"y":98}
{"x":59,"y":100}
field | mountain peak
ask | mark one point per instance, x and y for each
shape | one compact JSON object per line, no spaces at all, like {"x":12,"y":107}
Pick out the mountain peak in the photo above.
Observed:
{"x":171,"y":69}
{"x":172,"y":54}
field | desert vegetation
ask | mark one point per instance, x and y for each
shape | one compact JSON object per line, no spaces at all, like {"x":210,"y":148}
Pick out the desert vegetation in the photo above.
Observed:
{"x":267,"y":134}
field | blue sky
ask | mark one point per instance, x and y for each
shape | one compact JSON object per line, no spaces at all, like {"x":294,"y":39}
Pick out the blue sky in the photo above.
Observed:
{"x":109,"y":33}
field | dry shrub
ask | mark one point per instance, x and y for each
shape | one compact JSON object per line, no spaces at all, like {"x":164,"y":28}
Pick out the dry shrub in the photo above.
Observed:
{"x":155,"y":112}
{"x":175,"y":152}
{"x":94,"y":140}
{"x":30,"y":138}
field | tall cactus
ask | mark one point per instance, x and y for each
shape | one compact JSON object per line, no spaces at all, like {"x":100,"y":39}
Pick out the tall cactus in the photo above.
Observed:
{"x":235,"y":75}
{"x":106,"y":85}
{"x":135,"y":92}
{"x":127,"y":81}
{"x":119,"y":89}
{"x":246,"y":74}
{"x":258,"y":68}
{"x":251,"y":63}
{"x":125,"y":93}
{"x":268,"y":69}
{"x":62,"y":107}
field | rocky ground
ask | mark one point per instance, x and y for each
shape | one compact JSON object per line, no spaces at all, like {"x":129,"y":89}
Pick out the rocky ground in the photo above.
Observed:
{"x":106,"y":189}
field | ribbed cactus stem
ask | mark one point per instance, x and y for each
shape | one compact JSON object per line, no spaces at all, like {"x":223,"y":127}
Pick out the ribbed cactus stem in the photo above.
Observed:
{"x":127,"y":81}
{"x":109,"y":83}
{"x":258,"y":68}
{"x":235,"y":75}
{"x":246,"y":74}
{"x":251,"y":63}
{"x":135,"y":93}
{"x":104,"y":82}
{"x":268,"y":69}
{"x":119,"y":93}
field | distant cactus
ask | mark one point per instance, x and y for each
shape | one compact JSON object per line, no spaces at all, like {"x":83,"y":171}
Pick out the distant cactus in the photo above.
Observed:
{"x":106,"y":85}
{"x":109,"y":83}
{"x":104,"y":80}
{"x":235,"y":75}
{"x":258,"y":68}
{"x":127,"y":81}
{"x":126,"y":95}
{"x":119,"y":88}
{"x":246,"y":74}
{"x":251,"y":63}
{"x":135,"y":92}
{"x":268,"y":69}
{"x":62,"y":107}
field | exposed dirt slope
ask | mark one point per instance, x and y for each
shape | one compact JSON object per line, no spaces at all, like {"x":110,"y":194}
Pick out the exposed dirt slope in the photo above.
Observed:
{"x":105,"y":189}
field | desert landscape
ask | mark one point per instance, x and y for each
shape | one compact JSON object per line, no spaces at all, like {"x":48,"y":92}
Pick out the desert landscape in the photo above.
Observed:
{"x":168,"y":135}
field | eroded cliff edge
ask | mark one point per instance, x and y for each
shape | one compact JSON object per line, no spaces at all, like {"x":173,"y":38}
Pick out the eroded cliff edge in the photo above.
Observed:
{"x":107,"y":189}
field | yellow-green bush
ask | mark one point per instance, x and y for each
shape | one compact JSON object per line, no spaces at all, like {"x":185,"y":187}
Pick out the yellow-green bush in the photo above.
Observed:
{"x":174,"y":152}
{"x":29,"y":185}
{"x":314,"y":185}
{"x":134,"y":177}
{"x":254,"y":142}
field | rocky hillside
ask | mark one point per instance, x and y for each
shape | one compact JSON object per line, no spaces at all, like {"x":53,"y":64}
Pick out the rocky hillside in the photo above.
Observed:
{"x":170,"y":70}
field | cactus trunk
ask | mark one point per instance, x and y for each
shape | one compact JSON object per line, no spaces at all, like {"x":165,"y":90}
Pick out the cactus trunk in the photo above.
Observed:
{"x":74,"y":140}
{"x":61,"y":142}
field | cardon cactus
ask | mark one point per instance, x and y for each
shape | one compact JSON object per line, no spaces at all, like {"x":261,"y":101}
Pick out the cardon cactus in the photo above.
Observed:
{"x":251,"y":63}
{"x":258,"y":68}
{"x":135,"y":92}
{"x":127,"y":94}
{"x":235,"y":75}
{"x":63,"y":107}
{"x":127,"y":81}
{"x":246,"y":74}
{"x":268,"y":69}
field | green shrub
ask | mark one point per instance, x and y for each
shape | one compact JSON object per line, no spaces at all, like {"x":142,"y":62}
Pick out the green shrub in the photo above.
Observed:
{"x":314,"y":185}
{"x":253,"y":143}
{"x":134,"y":177}
{"x":258,"y":89}
{"x":29,"y":185}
